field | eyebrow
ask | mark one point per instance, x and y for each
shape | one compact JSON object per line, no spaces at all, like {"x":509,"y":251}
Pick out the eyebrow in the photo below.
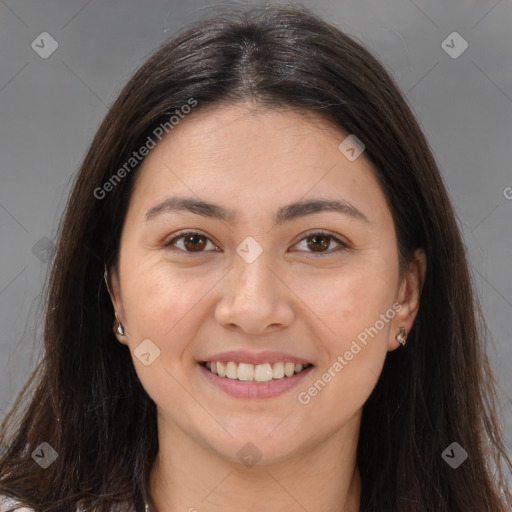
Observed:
{"x":177,"y":204}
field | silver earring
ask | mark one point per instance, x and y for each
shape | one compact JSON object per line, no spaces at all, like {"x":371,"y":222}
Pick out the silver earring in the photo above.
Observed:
{"x":119,"y":328}
{"x":401,"y":337}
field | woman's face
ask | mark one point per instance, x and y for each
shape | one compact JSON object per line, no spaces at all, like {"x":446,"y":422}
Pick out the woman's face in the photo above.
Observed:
{"x":267,"y":277}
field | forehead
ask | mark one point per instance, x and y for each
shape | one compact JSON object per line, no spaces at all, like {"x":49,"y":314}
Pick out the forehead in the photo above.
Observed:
{"x":239,"y":132}
{"x":256,"y":156}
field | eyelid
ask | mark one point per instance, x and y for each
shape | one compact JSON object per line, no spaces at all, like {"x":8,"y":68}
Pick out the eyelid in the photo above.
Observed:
{"x":167,"y":243}
{"x":325,"y":232}
{"x":338,"y":239}
{"x":342,"y":244}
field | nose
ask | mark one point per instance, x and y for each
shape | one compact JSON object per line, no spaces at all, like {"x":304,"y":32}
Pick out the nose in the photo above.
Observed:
{"x":256,"y":299}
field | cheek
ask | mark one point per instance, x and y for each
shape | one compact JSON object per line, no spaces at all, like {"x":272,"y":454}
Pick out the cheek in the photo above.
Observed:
{"x":350,"y":299}
{"x":362,"y":324}
{"x":158,"y":300}
{"x":354,"y":337}
{"x":162,"y":306}
{"x":161,"y":299}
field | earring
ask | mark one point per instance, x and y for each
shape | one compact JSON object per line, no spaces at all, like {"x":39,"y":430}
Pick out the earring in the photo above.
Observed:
{"x":401,"y":337}
{"x":119,"y":329}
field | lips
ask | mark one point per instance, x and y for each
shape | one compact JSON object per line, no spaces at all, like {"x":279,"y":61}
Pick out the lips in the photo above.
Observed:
{"x":253,"y":389}
{"x":245,"y":374}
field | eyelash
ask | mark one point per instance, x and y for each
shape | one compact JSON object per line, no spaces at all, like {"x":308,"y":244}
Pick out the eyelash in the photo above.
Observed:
{"x":342,"y":245}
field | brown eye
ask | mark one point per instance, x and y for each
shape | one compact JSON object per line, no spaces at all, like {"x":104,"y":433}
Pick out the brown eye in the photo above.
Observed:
{"x":194,"y":242}
{"x":190,"y":242}
{"x":318,"y":243}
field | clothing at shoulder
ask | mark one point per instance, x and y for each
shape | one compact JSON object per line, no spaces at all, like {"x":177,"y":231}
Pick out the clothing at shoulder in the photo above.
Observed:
{"x":7,"y":503}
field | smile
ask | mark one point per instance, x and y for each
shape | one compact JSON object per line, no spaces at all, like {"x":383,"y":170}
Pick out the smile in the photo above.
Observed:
{"x":249,"y":372}
{"x":245,"y":380}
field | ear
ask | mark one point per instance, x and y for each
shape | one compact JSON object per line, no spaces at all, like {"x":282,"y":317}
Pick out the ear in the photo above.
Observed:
{"x":114,"y":290}
{"x":408,"y":297}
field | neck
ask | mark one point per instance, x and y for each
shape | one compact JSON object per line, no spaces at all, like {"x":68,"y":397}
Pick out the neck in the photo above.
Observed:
{"x":190,"y":477}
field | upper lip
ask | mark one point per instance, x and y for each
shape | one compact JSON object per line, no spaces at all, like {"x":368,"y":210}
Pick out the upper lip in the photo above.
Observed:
{"x":244,"y":356}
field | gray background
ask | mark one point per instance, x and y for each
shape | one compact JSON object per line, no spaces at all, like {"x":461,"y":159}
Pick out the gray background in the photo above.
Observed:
{"x":51,"y":107}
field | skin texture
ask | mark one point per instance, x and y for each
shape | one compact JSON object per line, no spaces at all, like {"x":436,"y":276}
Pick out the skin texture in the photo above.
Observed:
{"x":307,"y":303}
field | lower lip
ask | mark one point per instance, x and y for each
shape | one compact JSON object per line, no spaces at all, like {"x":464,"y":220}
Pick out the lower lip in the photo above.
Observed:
{"x":245,"y":389}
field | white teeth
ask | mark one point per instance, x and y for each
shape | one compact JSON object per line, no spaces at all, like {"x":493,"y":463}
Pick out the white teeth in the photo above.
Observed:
{"x":289,"y":368}
{"x":245,"y":371}
{"x":231,"y":370}
{"x":221,"y":369}
{"x":278,"y":371}
{"x":263,"y":372}
{"x":248,"y":372}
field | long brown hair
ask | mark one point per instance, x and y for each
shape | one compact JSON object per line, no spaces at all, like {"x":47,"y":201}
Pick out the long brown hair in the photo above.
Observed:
{"x":84,"y":397}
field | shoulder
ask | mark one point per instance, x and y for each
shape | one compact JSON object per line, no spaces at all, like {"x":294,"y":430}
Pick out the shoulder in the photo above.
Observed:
{"x":7,"y":503}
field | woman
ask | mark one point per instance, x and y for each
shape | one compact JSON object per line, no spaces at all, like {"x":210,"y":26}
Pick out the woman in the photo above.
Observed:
{"x":260,"y":297}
